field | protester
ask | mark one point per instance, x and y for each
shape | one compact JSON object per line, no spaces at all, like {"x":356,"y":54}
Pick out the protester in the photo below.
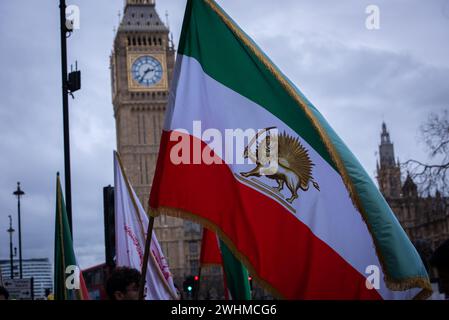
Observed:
{"x":123,"y":284}
{"x":4,"y":294}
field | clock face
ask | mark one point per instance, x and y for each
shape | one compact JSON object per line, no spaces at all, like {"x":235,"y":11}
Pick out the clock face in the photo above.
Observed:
{"x":147,"y":71}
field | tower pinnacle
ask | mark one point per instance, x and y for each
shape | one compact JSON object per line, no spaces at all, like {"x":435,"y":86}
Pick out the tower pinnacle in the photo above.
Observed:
{"x":141,"y":2}
{"x":386,"y":148}
{"x":388,"y":172}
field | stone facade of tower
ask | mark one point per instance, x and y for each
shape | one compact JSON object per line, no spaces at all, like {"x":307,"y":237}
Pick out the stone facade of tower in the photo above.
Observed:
{"x":388,"y":172}
{"x":142,"y":64}
{"x":424,"y":219}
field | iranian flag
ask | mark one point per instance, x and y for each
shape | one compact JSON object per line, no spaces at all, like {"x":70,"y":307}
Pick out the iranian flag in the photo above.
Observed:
{"x":245,"y":154}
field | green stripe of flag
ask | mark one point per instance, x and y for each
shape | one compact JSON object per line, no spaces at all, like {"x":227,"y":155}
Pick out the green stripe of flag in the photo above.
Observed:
{"x":236,"y":275}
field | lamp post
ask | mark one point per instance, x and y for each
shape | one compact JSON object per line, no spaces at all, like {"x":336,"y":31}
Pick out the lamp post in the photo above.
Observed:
{"x":65,"y":111}
{"x":71,"y":82}
{"x":11,"y":231}
{"x":19,"y":193}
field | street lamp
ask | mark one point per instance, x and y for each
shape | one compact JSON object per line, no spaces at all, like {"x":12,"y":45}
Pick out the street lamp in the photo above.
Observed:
{"x":71,"y":82}
{"x":19,"y":193}
{"x":11,"y":231}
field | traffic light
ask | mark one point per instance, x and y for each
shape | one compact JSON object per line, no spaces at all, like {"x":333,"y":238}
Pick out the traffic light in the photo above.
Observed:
{"x":196,"y":286}
{"x":188,"y":284}
{"x":191,"y":285}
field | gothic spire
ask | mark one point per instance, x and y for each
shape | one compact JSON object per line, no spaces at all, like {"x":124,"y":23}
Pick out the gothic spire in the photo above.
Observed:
{"x":385,"y":136}
{"x":386,"y":149}
{"x":141,"y":2}
{"x":409,"y":189}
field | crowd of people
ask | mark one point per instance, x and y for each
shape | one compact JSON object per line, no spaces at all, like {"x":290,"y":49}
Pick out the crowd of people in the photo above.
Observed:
{"x":123,"y":284}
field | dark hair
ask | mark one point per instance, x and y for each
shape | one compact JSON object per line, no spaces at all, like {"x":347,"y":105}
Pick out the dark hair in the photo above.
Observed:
{"x":120,"y":279}
{"x":4,"y":292}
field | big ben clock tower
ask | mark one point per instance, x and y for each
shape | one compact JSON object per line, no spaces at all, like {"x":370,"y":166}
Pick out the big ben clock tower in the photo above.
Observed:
{"x":142,"y":65}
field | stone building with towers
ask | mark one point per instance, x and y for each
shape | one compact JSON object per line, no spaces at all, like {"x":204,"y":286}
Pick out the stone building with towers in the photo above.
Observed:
{"x":142,"y":63}
{"x":425,"y":218}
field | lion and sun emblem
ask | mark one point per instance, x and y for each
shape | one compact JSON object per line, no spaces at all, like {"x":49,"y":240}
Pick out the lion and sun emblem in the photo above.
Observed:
{"x":293,"y":167}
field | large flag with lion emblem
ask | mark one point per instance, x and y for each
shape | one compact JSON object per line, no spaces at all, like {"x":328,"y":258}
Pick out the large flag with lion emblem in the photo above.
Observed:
{"x":244,"y":153}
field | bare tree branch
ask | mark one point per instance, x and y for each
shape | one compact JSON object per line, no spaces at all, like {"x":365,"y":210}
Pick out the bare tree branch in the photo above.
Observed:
{"x":431,"y":177}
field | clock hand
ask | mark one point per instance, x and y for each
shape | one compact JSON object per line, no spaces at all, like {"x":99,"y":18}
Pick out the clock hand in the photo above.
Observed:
{"x":145,"y":73}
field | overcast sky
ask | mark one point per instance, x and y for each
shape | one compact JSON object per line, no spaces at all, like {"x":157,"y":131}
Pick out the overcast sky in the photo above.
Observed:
{"x":356,"y":77}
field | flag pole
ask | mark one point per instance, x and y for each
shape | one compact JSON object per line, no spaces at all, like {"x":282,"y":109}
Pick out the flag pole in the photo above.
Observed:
{"x":145,"y":257}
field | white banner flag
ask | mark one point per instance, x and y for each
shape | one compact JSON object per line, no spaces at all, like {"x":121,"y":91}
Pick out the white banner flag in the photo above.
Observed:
{"x":131,"y":223}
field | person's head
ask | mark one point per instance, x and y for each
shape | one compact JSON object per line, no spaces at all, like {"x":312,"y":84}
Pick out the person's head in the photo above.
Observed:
{"x":4,"y":294}
{"x":123,"y":284}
